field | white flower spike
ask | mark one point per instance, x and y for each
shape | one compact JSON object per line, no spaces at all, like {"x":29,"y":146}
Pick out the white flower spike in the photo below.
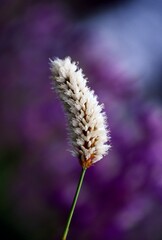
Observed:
{"x":87,"y":123}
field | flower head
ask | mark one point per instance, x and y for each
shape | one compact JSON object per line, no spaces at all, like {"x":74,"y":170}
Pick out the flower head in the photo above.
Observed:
{"x":87,"y":125}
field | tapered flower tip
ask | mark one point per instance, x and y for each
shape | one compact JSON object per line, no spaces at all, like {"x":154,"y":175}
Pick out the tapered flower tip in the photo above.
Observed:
{"x":87,"y":123}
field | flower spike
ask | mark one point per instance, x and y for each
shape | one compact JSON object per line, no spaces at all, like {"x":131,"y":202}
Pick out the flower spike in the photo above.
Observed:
{"x":87,"y":123}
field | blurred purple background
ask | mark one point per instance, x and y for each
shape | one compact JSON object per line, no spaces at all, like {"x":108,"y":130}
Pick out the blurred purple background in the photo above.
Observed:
{"x":119,"y":46}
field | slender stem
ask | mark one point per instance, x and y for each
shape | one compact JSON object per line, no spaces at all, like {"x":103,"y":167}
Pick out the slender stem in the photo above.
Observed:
{"x":74,"y":204}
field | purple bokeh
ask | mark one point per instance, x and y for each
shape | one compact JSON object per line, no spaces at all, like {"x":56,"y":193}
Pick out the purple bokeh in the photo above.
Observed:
{"x":120,"y":194}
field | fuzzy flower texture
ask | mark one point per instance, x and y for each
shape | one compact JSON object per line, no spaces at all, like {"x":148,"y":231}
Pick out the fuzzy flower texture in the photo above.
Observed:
{"x":87,"y":125}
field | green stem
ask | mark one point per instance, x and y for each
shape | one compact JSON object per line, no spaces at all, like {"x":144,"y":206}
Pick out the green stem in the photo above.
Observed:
{"x":74,"y":204}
